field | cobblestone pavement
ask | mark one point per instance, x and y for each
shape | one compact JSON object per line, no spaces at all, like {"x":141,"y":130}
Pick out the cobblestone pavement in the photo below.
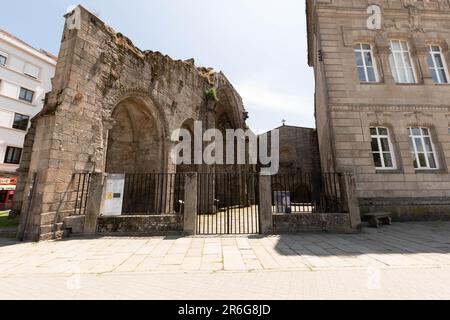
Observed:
{"x":410,"y":260}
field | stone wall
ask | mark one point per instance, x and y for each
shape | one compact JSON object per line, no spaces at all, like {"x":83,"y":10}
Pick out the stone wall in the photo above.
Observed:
{"x":409,"y":209}
{"x":299,"y":150}
{"x":98,"y":70}
{"x":141,"y":224}
{"x":312,"y":222}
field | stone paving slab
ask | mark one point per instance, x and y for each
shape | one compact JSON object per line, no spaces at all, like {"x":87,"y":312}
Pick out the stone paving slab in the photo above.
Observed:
{"x":325,"y":284}
{"x":408,"y":245}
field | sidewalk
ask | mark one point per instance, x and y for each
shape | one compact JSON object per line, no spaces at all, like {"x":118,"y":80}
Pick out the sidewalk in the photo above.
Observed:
{"x":404,"y":260}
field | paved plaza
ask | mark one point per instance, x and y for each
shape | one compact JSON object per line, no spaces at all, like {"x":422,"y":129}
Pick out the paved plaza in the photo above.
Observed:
{"x":409,"y":260}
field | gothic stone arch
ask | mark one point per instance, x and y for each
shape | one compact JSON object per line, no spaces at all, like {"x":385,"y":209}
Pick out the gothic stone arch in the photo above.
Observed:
{"x":94,"y":117}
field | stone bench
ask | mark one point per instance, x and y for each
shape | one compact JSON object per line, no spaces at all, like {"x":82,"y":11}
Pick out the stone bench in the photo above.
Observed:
{"x":376,"y":219}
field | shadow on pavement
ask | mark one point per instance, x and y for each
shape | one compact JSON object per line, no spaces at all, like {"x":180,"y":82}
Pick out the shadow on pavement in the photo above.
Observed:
{"x":400,"y":238}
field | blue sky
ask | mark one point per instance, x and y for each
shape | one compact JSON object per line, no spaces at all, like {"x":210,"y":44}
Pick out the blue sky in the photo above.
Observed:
{"x":259,"y":44}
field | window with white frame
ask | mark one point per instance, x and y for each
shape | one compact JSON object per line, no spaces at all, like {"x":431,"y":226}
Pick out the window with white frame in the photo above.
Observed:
{"x":422,"y":148}
{"x":365,"y":63}
{"x":437,"y":65}
{"x":3,"y":60}
{"x":382,"y":149}
{"x":401,"y":62}
{"x":26,"y":95}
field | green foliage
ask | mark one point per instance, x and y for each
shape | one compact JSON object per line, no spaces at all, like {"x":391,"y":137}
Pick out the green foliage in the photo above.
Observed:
{"x":211,"y":94}
{"x":5,"y":222}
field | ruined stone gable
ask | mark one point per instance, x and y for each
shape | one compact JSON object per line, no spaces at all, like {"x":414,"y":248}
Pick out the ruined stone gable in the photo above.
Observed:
{"x":108,"y":94}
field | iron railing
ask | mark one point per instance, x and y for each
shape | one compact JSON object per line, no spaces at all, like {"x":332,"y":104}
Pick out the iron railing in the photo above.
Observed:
{"x":153,"y":193}
{"x":79,"y":192}
{"x":306,"y":193}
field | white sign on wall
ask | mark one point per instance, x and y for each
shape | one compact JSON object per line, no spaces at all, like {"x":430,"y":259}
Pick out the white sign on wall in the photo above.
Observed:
{"x":113,"y":202}
{"x":375,"y":19}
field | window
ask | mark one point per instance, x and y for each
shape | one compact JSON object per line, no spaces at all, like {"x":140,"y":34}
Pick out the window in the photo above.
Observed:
{"x":3,"y":60}
{"x":382,"y":148}
{"x":401,"y":62}
{"x":31,"y":70}
{"x":422,"y":148}
{"x":21,"y":122}
{"x":13,"y":155}
{"x":436,"y":63}
{"x":365,"y":63}
{"x":26,"y":95}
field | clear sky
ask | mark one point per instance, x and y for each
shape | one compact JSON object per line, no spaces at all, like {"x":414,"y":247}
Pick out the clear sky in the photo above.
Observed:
{"x":260,"y":45}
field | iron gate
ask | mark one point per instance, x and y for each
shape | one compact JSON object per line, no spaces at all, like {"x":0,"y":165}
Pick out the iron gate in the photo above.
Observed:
{"x":228,"y":203}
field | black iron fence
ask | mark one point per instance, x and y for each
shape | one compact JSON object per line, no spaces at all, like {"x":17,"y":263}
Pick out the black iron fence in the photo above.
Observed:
{"x":307,"y":193}
{"x":228,"y":203}
{"x":78,"y":192}
{"x":153,"y":193}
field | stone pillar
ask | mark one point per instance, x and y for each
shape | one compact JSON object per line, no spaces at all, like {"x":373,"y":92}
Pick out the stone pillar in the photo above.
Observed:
{"x":265,"y":204}
{"x":190,"y":203}
{"x":384,"y":65}
{"x":25,"y":229}
{"x":94,"y":203}
{"x":351,"y":204}
{"x":422,"y":52}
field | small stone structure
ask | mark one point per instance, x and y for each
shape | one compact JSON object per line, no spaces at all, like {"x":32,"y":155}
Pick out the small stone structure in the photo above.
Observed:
{"x":299,"y":150}
{"x":112,"y":109}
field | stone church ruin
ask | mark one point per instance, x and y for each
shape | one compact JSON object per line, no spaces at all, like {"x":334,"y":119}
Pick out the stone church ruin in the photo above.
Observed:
{"x":112,"y":109}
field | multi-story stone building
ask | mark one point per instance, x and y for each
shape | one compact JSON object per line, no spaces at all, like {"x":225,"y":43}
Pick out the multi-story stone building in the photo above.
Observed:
{"x":383,"y":100}
{"x":25,"y":77}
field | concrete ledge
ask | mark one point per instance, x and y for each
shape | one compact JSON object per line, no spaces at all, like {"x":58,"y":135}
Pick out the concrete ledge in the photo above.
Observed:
{"x":74,"y":223}
{"x":312,"y":222}
{"x":140,"y":224}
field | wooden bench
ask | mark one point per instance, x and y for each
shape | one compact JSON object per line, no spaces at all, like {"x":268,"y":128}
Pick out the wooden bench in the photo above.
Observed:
{"x":376,"y":219}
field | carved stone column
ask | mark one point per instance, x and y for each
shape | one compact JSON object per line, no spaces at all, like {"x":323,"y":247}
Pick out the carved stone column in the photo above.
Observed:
{"x":384,"y":52}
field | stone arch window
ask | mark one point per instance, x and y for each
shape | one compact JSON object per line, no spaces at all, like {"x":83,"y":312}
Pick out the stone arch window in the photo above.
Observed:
{"x":402,"y":65}
{"x":136,"y":139}
{"x":423,"y":148}
{"x":188,"y":125}
{"x":382,"y":148}
{"x":366,"y":64}
{"x":437,"y":65}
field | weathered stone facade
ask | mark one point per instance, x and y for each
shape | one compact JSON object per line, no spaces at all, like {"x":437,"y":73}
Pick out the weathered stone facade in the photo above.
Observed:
{"x":112,"y":109}
{"x":299,"y":150}
{"x":347,"y":108}
{"x":141,"y":224}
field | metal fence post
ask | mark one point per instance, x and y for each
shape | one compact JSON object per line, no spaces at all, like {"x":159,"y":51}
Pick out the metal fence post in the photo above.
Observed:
{"x":190,"y":203}
{"x":265,"y":204}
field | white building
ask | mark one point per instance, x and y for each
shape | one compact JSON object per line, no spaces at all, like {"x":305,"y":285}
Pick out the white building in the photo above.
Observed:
{"x":25,"y":78}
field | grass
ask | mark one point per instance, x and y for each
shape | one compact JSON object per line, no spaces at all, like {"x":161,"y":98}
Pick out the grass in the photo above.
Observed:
{"x":5,"y":222}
